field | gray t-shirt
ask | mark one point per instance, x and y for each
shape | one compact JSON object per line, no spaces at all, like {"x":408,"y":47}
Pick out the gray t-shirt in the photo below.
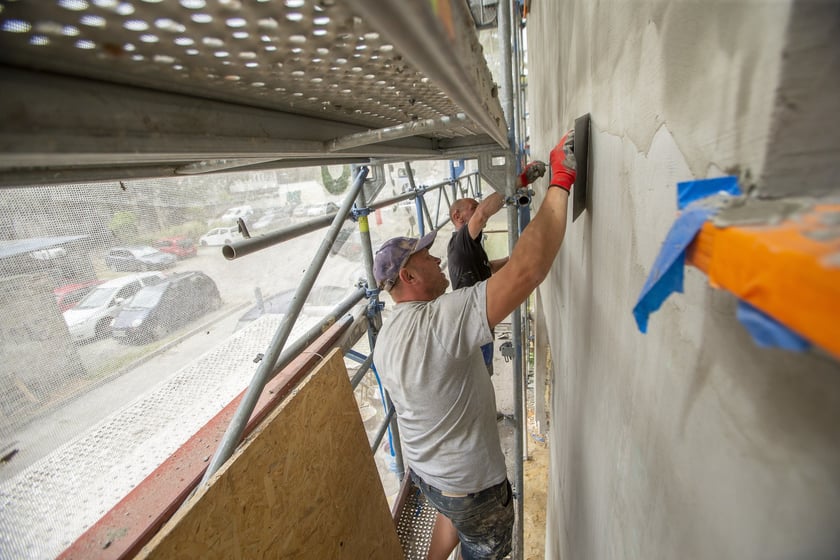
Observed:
{"x":428,"y":356}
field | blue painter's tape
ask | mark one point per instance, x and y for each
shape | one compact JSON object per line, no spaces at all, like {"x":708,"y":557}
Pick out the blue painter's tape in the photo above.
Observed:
{"x":767,"y":332}
{"x":689,"y":191}
{"x":666,"y":277}
{"x":667,"y":274}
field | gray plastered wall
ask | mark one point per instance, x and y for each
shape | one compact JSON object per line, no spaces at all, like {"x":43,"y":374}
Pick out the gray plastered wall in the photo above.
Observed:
{"x":688,"y":441}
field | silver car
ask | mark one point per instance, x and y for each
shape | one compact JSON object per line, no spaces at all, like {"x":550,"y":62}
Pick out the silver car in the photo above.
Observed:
{"x":139,"y":257}
{"x":91,"y":318}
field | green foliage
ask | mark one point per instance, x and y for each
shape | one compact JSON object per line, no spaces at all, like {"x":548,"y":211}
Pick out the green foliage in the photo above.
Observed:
{"x":339,"y":185}
{"x":124,"y":226}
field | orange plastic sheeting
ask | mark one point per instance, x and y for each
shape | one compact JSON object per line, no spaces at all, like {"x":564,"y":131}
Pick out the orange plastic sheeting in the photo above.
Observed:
{"x":791,"y":271}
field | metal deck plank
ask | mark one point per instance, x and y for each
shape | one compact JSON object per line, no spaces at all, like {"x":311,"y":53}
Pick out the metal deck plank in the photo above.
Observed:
{"x":415,"y":524}
{"x":318,"y":68}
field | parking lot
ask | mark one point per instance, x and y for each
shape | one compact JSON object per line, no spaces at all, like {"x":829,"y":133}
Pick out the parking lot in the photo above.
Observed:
{"x":271,"y":271}
{"x":117,"y":372}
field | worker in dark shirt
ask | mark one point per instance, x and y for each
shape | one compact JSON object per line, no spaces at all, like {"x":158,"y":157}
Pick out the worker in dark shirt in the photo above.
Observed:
{"x":466,"y":259}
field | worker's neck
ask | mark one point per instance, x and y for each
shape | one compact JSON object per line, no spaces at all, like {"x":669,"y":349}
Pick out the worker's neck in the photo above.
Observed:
{"x":406,"y":296}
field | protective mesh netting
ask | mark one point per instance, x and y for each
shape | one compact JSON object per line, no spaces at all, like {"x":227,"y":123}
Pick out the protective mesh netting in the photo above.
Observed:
{"x":124,"y":330}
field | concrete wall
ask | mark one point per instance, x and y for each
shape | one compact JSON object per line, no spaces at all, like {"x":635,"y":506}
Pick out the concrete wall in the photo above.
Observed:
{"x":689,"y":441}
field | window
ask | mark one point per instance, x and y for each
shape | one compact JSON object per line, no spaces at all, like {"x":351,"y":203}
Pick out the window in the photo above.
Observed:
{"x":129,"y":290}
{"x":73,"y":298}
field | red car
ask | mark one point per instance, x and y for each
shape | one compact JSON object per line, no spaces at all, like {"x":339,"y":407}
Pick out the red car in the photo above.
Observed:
{"x":181,"y":247}
{"x":69,"y":295}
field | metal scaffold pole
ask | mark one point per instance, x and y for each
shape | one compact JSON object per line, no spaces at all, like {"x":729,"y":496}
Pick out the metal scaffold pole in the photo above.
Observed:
{"x":375,"y":322}
{"x":418,"y":201}
{"x":524,"y":211}
{"x":234,"y":432}
{"x":507,"y":96}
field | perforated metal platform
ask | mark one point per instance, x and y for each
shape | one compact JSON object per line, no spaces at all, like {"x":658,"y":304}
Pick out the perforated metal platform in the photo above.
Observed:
{"x":194,"y":82}
{"x":311,"y":58}
{"x":415,"y":524}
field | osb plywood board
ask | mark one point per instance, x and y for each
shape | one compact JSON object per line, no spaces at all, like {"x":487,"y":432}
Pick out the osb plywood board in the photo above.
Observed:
{"x":304,"y":485}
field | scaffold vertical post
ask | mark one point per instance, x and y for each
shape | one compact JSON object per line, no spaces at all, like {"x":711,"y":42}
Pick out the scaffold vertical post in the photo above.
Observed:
{"x":504,"y":22}
{"x":375,"y":317}
{"x":234,"y":432}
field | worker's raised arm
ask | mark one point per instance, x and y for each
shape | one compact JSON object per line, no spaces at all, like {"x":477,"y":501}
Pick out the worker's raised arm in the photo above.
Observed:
{"x":496,"y":202}
{"x":485,"y":209}
{"x":539,"y":243}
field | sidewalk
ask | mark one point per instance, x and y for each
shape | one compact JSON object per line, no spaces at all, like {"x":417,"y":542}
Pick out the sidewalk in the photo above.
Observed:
{"x":45,"y":507}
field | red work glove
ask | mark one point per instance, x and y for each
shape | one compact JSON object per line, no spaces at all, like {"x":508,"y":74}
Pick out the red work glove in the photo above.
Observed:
{"x":531,"y":173}
{"x":562,"y":161}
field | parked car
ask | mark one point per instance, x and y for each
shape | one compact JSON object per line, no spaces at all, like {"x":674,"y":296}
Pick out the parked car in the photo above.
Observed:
{"x":322,"y":209}
{"x":300,"y":211}
{"x":348,"y":243}
{"x":272,"y":216}
{"x":266,"y":219}
{"x":139,"y":258}
{"x":69,"y":295}
{"x":49,"y":254}
{"x":159,"y":309}
{"x":287,"y":209}
{"x":91,"y":318}
{"x":220,"y":236}
{"x":233,"y":214}
{"x":321,"y":300}
{"x":181,"y":247}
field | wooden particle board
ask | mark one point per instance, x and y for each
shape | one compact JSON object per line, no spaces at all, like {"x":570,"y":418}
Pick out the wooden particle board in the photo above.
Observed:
{"x":303,"y":485}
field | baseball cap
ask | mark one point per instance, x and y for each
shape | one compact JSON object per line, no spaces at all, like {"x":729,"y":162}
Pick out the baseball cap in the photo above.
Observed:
{"x":392,"y":256}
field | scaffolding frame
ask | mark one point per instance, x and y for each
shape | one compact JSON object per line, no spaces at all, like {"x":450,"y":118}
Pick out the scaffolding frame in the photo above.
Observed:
{"x":148,"y":90}
{"x":401,"y":81}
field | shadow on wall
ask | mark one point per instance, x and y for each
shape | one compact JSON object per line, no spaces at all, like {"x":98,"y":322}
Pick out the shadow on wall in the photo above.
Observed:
{"x":794,"y":398}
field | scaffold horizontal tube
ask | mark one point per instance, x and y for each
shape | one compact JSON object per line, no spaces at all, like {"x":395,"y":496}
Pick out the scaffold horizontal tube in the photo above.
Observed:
{"x":247,"y":246}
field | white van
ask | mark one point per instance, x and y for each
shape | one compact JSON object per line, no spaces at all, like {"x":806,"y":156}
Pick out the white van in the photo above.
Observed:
{"x":238,"y":212}
{"x":220,"y":236}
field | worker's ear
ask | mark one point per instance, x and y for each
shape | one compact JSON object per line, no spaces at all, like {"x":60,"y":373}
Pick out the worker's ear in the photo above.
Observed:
{"x":455,"y":211}
{"x":406,"y":276}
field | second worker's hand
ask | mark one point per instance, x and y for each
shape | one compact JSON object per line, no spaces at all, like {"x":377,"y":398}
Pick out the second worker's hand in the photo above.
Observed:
{"x":562,"y":162}
{"x":531,"y":173}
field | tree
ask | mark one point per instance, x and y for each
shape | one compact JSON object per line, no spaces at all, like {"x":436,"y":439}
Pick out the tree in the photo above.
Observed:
{"x":124,"y":226}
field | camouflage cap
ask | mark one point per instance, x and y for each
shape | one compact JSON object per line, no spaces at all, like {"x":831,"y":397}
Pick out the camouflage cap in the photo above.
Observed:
{"x":392,"y":256}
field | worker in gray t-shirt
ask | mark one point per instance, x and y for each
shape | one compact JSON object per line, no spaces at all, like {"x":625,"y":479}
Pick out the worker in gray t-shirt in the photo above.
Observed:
{"x":429,"y":358}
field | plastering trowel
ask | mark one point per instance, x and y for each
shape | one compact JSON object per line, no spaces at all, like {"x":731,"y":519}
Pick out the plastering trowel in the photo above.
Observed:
{"x":579,"y":195}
